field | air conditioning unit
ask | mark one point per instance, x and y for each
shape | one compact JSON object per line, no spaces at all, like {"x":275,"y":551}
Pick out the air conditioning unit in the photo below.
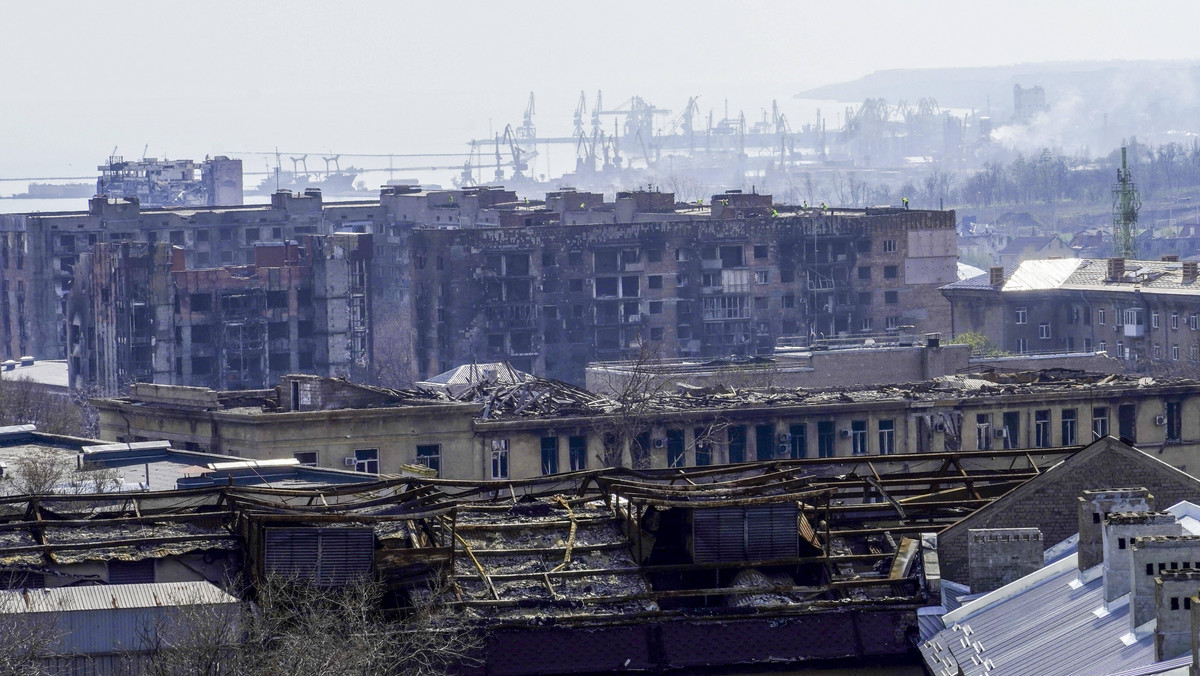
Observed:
{"x":1160,"y":420}
{"x":1001,"y":432}
{"x":350,"y":461}
{"x":659,"y":442}
{"x":845,"y":432}
{"x":785,"y":437}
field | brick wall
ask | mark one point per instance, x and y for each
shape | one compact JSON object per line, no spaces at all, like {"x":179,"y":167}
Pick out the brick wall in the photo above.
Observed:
{"x":1000,"y":555}
{"x":1048,"y":502}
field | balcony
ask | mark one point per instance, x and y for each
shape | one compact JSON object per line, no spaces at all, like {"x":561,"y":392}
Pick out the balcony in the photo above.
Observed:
{"x":1135,"y":330}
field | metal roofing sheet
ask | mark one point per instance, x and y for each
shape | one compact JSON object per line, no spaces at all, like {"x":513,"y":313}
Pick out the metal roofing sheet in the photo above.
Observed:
{"x":108,"y":597}
{"x":1038,"y":275}
{"x":1051,"y":628}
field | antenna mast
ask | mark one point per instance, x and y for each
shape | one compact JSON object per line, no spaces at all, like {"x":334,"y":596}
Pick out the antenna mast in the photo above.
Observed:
{"x":1126,"y":203}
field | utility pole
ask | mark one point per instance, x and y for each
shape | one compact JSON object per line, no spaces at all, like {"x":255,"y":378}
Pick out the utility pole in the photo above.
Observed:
{"x":1126,"y":203}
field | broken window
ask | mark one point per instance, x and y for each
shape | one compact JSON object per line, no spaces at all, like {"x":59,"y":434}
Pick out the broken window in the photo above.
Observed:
{"x":630,"y":287}
{"x":654,"y":282}
{"x":1041,"y":429}
{"x":577,"y":452}
{"x":864,"y":273}
{"x":858,"y":437}
{"x":549,"y":455}
{"x":277,"y":300}
{"x":607,"y":261}
{"x":1068,"y":424}
{"x":499,"y":458}
{"x":430,"y":455}
{"x":1173,"y":421}
{"x":825,"y":439}
{"x":887,"y":436}
{"x":675,"y":449}
{"x":891,"y":272}
{"x":606,"y":287}
{"x":366,"y":460}
{"x":703,"y":445}
{"x":731,"y":257}
{"x":200,"y":302}
{"x":516,"y":265}
{"x":306,"y":458}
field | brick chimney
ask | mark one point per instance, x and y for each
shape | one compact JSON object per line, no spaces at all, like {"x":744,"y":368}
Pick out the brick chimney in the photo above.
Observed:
{"x":996,"y":275}
{"x":1190,"y":271}
{"x":1116,"y":269}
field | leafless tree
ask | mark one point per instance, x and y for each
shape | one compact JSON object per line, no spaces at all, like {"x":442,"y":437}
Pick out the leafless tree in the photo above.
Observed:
{"x":23,"y":401}
{"x":43,"y":472}
{"x":294,"y":628}
{"x":27,"y":643}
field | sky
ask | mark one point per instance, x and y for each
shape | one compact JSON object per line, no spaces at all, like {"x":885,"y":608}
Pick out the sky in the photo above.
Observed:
{"x":187,"y":79}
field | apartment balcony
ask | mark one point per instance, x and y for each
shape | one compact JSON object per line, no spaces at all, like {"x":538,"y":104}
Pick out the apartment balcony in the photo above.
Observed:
{"x":1135,"y":330}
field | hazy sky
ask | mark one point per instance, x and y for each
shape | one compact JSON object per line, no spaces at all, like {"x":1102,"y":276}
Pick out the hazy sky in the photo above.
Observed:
{"x":207,"y":77}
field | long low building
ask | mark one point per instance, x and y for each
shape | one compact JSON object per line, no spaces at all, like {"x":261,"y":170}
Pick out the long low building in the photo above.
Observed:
{"x":512,"y":430}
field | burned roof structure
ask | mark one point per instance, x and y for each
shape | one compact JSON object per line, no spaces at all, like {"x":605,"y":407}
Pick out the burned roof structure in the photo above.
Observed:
{"x":793,"y":560}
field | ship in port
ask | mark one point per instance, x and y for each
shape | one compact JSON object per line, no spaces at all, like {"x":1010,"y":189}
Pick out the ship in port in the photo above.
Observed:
{"x":332,"y":181}
{"x":51,"y":191}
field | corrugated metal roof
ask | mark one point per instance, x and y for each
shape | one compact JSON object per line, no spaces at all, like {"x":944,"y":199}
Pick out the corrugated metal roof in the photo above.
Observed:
{"x":1037,"y":275}
{"x":112,"y":596}
{"x":1051,"y":628}
{"x":1178,"y":665}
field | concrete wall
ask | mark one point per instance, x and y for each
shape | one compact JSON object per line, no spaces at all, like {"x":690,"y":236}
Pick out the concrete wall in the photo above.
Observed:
{"x":1173,"y":592}
{"x":998,"y":556}
{"x":1093,"y":507}
{"x":1151,"y":556}
{"x":1119,"y":530}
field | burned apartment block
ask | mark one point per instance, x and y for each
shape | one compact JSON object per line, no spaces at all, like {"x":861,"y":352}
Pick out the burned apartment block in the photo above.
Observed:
{"x":550,"y":298}
{"x":1146,"y":313}
{"x":137,"y":314}
{"x":476,"y":274}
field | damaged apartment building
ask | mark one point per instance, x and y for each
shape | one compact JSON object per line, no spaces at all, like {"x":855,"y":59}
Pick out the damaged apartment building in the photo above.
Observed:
{"x":527,"y":426}
{"x":476,"y":274}
{"x":137,"y":314}
{"x":1146,"y":313}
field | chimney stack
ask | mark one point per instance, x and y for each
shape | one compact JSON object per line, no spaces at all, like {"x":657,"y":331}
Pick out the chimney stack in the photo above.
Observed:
{"x":1189,"y":271}
{"x":996,"y":275}
{"x":1120,"y":528}
{"x":1094,"y":508}
{"x":1116,"y":269}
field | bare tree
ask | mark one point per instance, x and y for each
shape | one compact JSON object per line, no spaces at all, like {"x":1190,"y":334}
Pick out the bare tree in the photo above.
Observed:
{"x":42,"y":472}
{"x":27,"y":642}
{"x":295,"y":628}
{"x":23,"y":401}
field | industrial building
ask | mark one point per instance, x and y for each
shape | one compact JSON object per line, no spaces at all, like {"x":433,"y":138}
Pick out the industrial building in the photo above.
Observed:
{"x":173,"y":183}
{"x":529,"y":427}
{"x":1146,"y":313}
{"x":548,"y":286}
